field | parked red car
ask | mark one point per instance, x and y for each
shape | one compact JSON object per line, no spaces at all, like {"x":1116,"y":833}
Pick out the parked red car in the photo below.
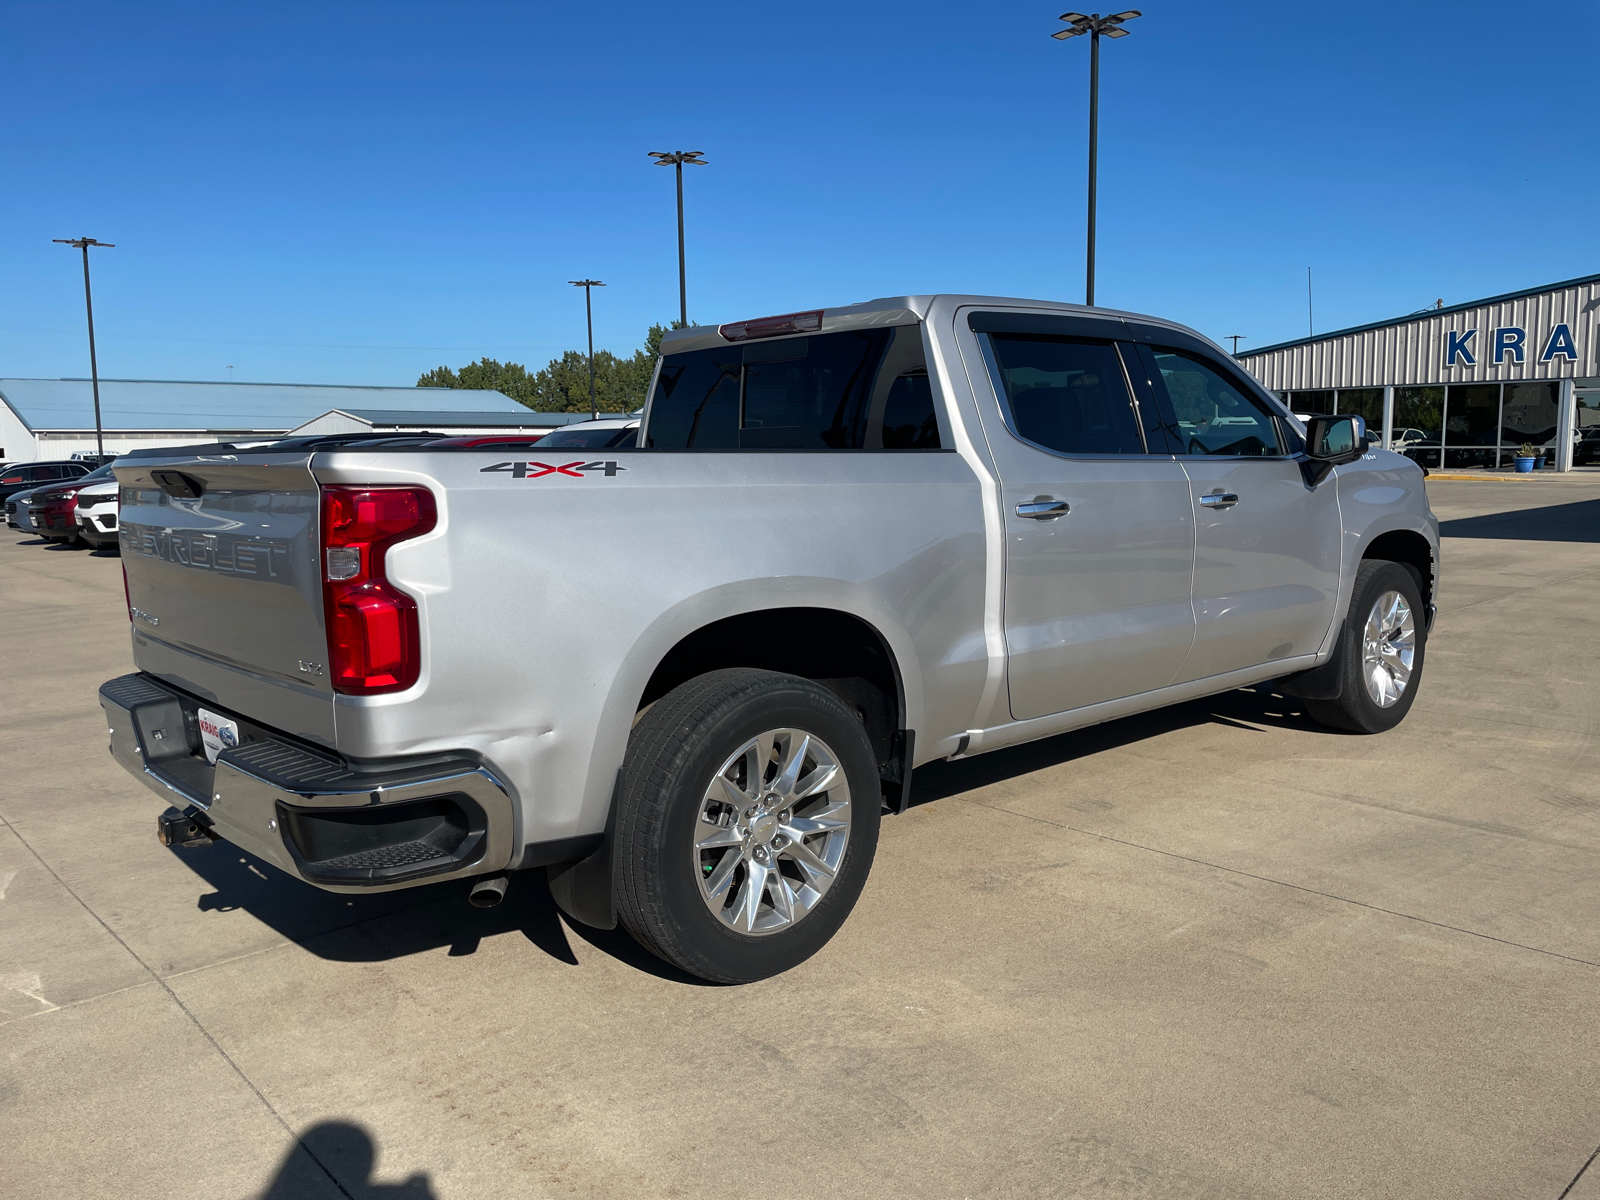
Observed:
{"x":53,"y":509}
{"x":54,"y":512}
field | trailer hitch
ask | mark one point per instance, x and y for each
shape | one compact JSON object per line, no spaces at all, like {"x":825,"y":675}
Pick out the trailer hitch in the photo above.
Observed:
{"x":175,"y":827}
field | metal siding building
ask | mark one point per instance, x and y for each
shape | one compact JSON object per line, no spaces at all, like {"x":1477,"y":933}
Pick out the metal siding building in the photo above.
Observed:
{"x":377,"y":420}
{"x":1539,"y":349}
{"x":54,"y":418}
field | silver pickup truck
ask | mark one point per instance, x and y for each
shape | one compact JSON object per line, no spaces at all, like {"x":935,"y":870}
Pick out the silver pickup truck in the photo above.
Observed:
{"x":687,"y":677}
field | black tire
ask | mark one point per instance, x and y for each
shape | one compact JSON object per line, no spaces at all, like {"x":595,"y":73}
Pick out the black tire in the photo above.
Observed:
{"x":674,"y":753}
{"x":1356,"y":710}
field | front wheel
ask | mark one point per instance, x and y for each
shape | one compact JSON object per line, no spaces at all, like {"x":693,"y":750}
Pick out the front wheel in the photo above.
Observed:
{"x":746,"y":824}
{"x":1382,"y":644}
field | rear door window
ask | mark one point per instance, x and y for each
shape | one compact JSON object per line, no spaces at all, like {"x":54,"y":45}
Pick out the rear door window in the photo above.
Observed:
{"x":851,"y":390}
{"x":909,"y":422}
{"x":1066,"y":394}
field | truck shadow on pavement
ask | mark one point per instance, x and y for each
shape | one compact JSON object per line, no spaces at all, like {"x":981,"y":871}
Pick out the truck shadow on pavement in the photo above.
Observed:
{"x":1577,"y":522}
{"x":391,"y":925}
{"x":345,"y":1152}
{"x":1245,"y":709}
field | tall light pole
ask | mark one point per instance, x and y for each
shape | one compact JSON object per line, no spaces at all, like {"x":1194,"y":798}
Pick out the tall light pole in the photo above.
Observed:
{"x":1236,"y":338}
{"x":588,"y":311}
{"x":678,"y":158}
{"x":1094,"y":25}
{"x":83,"y":244}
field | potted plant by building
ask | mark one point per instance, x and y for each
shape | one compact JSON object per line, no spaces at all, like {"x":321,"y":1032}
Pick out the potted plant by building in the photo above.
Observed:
{"x":1525,"y":458}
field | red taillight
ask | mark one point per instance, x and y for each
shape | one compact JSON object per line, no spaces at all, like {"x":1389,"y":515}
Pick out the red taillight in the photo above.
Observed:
{"x":374,"y":644}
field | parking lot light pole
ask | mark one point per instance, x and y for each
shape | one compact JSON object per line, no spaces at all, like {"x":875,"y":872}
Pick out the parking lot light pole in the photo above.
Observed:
{"x":588,"y":312}
{"x":677,"y":158}
{"x":83,"y":243}
{"x":1094,"y":25}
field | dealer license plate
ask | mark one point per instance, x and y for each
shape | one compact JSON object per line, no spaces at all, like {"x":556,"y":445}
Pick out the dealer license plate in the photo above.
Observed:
{"x":217,"y":734}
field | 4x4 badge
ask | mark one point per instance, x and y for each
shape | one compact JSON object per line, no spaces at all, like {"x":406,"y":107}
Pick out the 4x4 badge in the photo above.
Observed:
{"x":535,"y":470}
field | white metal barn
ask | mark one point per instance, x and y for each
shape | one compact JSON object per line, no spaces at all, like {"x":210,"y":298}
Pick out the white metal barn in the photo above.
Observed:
{"x":1464,"y":385}
{"x":54,"y":418}
{"x":445,"y":421}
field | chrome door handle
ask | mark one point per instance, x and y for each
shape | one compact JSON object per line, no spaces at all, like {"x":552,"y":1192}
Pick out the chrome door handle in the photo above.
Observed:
{"x":1044,"y":509}
{"x":1219,"y":500}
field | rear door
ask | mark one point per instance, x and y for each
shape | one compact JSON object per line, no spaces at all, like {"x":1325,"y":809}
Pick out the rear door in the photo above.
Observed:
{"x":226,"y":586}
{"x":1267,"y":553}
{"x":1099,"y":526}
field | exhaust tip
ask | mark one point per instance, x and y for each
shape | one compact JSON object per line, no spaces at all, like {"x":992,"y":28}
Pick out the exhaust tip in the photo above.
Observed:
{"x":487,"y":892}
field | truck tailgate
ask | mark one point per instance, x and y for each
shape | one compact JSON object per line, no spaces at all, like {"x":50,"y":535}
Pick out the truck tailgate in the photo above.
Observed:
{"x":225,"y":583}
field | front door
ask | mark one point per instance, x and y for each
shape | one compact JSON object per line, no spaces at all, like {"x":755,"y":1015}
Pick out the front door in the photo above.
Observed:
{"x":1267,"y":552}
{"x":1099,"y":532}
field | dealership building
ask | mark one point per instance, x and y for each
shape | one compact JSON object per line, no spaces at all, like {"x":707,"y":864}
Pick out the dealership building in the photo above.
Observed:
{"x":1465,"y":385}
{"x":54,"y":418}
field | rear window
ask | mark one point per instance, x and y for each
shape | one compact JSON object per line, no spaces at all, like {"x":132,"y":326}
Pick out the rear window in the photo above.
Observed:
{"x":853,"y":390}
{"x":587,"y":439}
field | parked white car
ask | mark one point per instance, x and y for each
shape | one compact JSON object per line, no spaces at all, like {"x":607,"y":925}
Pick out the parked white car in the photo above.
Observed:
{"x":608,"y":433}
{"x":97,"y":514}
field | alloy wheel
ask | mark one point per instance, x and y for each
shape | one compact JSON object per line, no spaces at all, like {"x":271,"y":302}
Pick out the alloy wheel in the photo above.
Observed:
{"x":1389,"y":648}
{"x":771,"y":831}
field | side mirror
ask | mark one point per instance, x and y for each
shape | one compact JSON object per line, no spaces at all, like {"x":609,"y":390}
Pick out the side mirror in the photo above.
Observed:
{"x":1332,"y":442}
{"x":1336,"y":440}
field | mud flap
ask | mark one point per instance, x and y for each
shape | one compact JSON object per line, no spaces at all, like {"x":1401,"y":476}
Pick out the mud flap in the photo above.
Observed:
{"x":583,"y":890}
{"x":1319,"y":683}
{"x":894,"y":775}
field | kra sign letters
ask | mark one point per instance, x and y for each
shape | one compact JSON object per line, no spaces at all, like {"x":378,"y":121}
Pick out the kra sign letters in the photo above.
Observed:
{"x":1509,"y":342}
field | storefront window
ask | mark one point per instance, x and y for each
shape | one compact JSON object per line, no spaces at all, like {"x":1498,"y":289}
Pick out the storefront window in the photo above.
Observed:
{"x":1366,"y":403}
{"x":1588,"y":404}
{"x":1319,"y":403}
{"x":1529,"y":415}
{"x":1417,"y":417}
{"x":1472,"y":425}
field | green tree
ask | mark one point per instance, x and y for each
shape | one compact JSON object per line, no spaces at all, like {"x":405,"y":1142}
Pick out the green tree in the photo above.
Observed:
{"x":620,"y":384}
{"x":511,"y":378}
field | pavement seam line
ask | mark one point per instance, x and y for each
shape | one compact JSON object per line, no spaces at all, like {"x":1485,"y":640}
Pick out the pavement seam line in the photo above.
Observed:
{"x":1521,"y":591}
{"x":1579,"y":1175}
{"x":78,"y":1003}
{"x":184,"y":1009}
{"x":1488,"y":937}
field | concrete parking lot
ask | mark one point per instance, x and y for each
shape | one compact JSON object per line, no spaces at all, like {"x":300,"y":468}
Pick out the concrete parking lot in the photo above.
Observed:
{"x":1216,"y":951}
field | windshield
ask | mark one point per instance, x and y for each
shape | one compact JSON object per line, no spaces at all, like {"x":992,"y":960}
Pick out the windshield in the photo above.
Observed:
{"x":98,"y":475}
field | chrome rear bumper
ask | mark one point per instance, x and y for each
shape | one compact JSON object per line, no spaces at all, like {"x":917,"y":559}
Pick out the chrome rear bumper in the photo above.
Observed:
{"x":340,"y":826}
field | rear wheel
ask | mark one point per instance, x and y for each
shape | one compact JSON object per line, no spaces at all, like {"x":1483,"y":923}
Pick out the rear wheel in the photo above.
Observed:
{"x":1382,"y":644}
{"x":746,"y":825}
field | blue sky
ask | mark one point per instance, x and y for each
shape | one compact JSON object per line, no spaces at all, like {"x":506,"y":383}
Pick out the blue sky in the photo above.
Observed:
{"x":341,"y":193}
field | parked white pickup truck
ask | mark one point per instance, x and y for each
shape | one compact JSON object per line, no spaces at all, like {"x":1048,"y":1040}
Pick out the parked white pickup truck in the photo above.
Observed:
{"x":687,"y":676}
